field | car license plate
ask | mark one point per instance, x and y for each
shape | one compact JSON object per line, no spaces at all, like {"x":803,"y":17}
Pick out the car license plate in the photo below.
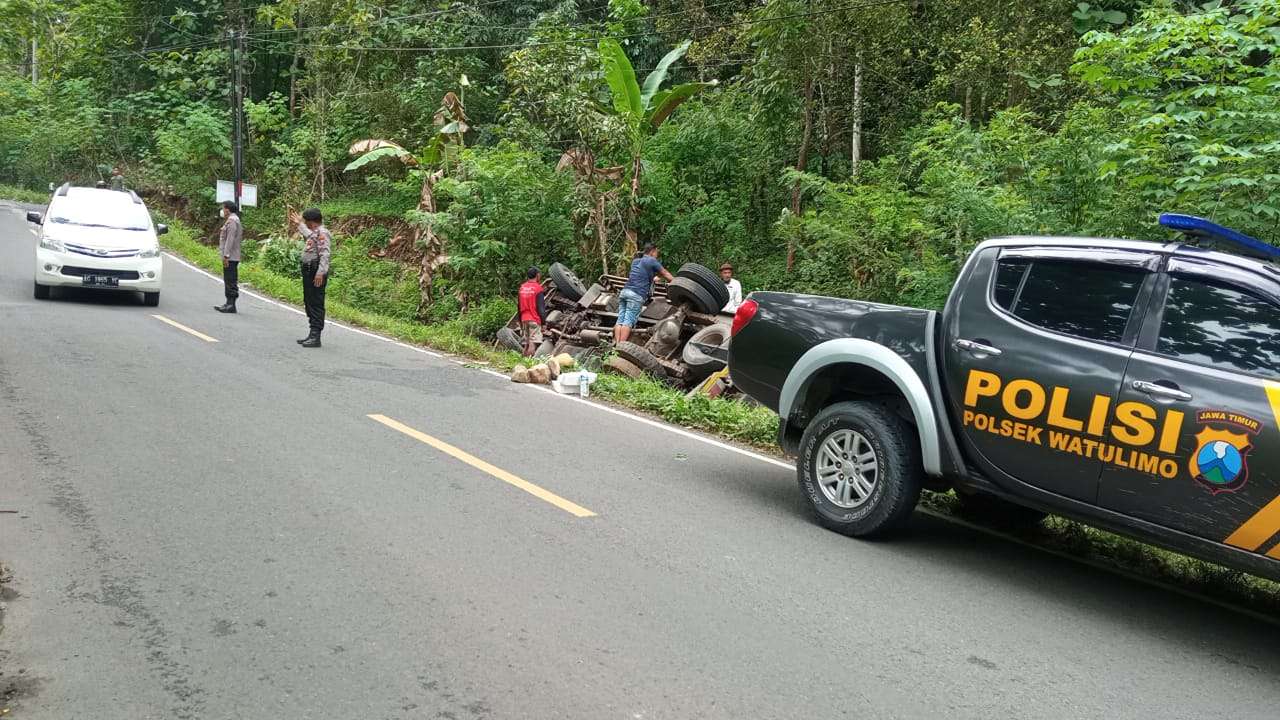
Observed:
{"x":101,"y":280}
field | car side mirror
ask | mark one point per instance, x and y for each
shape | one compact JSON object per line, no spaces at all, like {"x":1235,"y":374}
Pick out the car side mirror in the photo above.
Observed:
{"x":52,"y":187}
{"x":35,"y":217}
{"x":162,"y":229}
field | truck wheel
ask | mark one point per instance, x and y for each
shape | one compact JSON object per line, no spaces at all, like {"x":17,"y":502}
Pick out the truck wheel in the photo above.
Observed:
{"x":708,"y":279}
{"x":641,"y":358}
{"x":567,"y":282}
{"x":510,"y":340}
{"x":998,"y":512}
{"x":860,"y":469}
{"x":684,"y":290}
{"x":623,"y":367}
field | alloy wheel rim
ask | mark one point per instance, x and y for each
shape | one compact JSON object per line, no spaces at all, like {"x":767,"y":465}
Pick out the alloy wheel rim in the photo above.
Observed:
{"x":847,"y":468}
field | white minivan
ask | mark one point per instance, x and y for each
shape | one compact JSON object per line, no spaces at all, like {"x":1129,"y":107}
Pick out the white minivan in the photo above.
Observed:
{"x":99,"y":239}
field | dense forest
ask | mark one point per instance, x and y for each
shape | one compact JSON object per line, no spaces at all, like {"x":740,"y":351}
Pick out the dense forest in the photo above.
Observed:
{"x":849,"y":147}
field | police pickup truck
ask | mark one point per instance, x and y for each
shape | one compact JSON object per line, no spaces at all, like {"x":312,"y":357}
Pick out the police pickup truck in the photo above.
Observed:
{"x":1131,"y":385}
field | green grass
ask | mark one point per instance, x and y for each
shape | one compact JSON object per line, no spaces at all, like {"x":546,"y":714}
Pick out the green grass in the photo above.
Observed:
{"x":34,"y":197}
{"x":758,"y":427}
{"x":1091,"y":544}
{"x":754,"y":425}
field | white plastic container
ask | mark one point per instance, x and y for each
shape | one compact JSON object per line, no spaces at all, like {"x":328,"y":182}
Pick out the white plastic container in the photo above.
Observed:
{"x":571,"y":383}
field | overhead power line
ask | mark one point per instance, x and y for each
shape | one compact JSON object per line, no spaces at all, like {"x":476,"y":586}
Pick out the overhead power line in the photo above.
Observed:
{"x":571,"y":41}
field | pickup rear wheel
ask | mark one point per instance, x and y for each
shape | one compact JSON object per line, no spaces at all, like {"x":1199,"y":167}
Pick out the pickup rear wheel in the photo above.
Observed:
{"x":860,"y":469}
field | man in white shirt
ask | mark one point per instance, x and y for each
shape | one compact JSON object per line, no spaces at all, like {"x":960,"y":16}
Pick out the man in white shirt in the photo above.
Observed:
{"x":735,"y":288}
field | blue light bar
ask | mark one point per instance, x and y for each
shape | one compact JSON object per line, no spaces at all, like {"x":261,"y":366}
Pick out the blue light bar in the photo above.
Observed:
{"x":1201,"y":228}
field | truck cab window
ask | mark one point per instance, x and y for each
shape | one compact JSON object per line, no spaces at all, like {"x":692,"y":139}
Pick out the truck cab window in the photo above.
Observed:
{"x":1090,"y":301}
{"x":1217,"y":325}
{"x":1008,"y":279}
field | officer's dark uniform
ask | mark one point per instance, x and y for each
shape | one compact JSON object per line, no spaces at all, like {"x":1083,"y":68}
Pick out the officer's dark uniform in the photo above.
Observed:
{"x":315,"y":261}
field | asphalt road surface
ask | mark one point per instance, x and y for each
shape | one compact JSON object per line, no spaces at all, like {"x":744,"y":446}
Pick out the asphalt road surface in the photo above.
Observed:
{"x":222,"y":530}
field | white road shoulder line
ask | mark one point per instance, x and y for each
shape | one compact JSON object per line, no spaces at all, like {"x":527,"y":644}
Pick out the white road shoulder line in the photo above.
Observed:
{"x":615,"y":411}
{"x":775,"y":461}
{"x":292,"y":309}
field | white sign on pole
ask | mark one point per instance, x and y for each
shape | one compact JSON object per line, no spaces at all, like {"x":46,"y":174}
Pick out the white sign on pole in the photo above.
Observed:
{"x":248,"y":193}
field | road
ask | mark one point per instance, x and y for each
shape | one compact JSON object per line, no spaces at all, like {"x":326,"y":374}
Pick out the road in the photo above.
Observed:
{"x":221,"y":530}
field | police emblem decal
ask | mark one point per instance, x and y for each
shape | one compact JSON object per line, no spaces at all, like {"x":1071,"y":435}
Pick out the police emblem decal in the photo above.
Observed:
{"x":1220,"y":460}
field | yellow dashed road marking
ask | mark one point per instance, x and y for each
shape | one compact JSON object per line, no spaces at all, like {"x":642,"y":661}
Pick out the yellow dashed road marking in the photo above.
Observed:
{"x":184,"y":328}
{"x":475,"y":462}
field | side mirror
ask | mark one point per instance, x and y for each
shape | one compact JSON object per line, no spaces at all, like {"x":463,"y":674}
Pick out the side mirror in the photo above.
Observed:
{"x":52,"y":187}
{"x":162,"y":229}
{"x":35,"y":217}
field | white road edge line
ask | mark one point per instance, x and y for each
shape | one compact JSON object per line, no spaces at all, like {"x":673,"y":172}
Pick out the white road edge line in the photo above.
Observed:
{"x":621,"y":413}
{"x":292,"y":309}
{"x":779,"y":463}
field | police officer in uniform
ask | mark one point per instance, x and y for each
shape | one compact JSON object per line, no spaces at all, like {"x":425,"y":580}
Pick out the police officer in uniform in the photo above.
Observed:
{"x":315,"y":270}
{"x":229,"y":239}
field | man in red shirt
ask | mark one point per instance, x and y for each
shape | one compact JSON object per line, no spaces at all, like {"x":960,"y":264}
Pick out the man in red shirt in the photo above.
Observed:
{"x":533,"y":310}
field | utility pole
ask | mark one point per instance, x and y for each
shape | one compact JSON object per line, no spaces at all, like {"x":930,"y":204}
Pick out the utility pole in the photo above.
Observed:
{"x":237,"y":111}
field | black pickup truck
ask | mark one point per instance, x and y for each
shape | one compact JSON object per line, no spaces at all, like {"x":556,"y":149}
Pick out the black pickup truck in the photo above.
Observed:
{"x":1131,"y":385}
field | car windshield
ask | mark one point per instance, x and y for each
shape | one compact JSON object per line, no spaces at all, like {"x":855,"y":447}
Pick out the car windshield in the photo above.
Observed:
{"x":118,"y":212}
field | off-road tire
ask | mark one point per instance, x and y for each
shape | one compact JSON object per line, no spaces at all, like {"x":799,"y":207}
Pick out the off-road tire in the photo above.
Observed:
{"x":151,"y":299}
{"x":900,"y":474}
{"x":987,"y":509}
{"x":708,"y":279}
{"x":42,"y":291}
{"x":689,"y":292}
{"x":567,"y":282}
{"x":624,"y":367}
{"x":510,"y":340}
{"x":641,"y":358}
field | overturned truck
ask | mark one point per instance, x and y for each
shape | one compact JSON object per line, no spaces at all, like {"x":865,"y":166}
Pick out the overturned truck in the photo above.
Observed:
{"x":681,"y":337}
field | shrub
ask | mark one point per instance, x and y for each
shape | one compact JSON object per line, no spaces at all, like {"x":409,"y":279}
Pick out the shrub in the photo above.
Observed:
{"x":484,"y":320}
{"x":282,"y":255}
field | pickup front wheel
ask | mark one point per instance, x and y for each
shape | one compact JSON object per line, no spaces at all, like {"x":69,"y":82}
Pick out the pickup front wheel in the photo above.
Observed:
{"x":860,"y":469}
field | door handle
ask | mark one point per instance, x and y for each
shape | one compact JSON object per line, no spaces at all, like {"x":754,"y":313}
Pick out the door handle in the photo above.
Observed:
{"x":977,"y":348}
{"x":1161,"y":391}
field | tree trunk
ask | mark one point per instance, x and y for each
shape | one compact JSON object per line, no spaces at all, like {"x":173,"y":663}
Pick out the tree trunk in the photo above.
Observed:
{"x":855,"y":156}
{"x":602,"y":238}
{"x":293,"y":68}
{"x":632,"y":243}
{"x":968,"y":103}
{"x":802,"y":162}
{"x":426,"y":240}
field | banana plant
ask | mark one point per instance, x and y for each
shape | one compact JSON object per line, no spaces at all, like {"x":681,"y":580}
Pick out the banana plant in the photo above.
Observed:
{"x":429,"y":166}
{"x":643,"y":109}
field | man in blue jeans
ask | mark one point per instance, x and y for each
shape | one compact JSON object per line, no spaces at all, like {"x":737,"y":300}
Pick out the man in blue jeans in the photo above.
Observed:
{"x":634,"y":294}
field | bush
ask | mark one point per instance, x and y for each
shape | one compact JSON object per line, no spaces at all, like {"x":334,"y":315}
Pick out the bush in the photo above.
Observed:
{"x":374,"y":285}
{"x":484,"y":320}
{"x":282,"y":255}
{"x":191,"y":150}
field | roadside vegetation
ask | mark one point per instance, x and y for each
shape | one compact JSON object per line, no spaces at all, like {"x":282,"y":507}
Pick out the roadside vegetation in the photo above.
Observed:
{"x":750,"y":425}
{"x":23,"y":195}
{"x":857,"y":149}
{"x":461,"y":336}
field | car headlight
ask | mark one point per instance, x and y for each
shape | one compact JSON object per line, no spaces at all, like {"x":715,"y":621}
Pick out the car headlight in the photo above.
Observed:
{"x":150,"y":252}
{"x":49,"y":243}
